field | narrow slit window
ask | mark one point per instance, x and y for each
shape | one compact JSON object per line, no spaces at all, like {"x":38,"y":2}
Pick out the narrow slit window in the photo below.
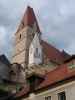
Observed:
{"x":20,"y":36}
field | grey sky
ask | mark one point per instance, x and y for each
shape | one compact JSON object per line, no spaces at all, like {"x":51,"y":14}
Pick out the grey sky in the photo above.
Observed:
{"x":56,"y":19}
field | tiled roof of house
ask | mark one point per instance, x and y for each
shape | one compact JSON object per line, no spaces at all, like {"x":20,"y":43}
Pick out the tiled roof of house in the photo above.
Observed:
{"x":29,"y":19}
{"x":54,"y":54}
{"x":23,"y":92}
{"x":59,"y":74}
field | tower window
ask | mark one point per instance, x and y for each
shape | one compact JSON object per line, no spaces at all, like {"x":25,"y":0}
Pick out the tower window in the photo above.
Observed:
{"x":20,"y":36}
{"x":36,"y":52}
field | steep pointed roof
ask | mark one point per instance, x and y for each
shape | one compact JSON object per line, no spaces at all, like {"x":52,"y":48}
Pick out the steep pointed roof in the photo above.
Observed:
{"x":29,"y":19}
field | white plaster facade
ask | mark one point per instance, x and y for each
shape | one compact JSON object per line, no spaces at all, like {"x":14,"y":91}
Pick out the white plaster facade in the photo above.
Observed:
{"x":35,"y":51}
{"x":68,"y":88}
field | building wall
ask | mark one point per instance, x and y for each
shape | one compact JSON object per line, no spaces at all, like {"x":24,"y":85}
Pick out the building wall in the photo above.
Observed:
{"x":19,"y":58}
{"x":35,"y":51}
{"x":68,"y":88}
{"x":22,"y":41}
{"x":17,"y":73}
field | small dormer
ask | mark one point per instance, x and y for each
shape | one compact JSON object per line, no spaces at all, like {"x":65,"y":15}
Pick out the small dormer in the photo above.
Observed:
{"x":35,"y":51}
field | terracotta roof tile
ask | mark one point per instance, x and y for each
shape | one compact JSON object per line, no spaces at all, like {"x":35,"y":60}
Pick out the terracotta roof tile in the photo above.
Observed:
{"x":59,"y":74}
{"x":23,"y":92}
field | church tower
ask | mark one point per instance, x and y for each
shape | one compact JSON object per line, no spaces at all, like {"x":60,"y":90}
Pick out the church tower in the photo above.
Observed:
{"x":24,"y":36}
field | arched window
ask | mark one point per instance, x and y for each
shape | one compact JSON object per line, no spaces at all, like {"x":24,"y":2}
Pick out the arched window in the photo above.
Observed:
{"x":36,"y":54}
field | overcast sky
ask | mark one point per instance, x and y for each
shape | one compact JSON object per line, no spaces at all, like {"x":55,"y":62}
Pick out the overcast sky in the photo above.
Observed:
{"x":56,"y":19}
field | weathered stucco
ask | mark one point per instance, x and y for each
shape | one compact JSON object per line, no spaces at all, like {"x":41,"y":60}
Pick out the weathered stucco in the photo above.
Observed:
{"x":68,"y":88}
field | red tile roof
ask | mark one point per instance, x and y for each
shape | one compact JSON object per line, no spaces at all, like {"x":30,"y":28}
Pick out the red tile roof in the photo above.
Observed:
{"x":52,"y":53}
{"x":29,"y":19}
{"x":59,"y":74}
{"x":23,"y":92}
